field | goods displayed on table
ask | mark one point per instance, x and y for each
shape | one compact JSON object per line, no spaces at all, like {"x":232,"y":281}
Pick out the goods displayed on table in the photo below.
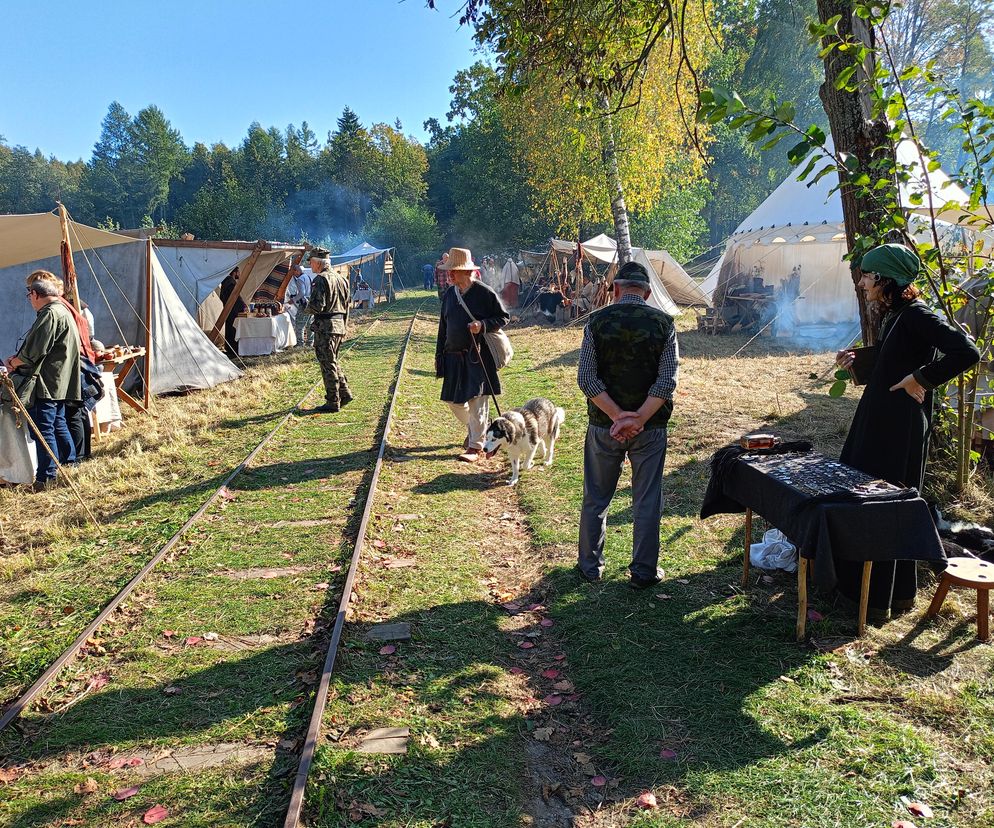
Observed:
{"x":815,"y":475}
{"x":117,"y":353}
{"x":262,"y":310}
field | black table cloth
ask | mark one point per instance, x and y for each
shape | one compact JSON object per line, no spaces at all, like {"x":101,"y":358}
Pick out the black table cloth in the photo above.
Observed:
{"x":826,"y":509}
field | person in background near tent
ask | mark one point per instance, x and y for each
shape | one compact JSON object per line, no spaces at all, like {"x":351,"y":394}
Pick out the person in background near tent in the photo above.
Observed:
{"x":890,"y":431}
{"x":49,"y":355}
{"x":329,"y":306}
{"x":78,"y":414}
{"x":588,"y":292}
{"x":225,"y":291}
{"x":441,"y":276}
{"x":468,"y":375}
{"x":628,"y":371}
{"x":300,"y":293}
{"x":428,"y":275}
{"x":84,"y":309}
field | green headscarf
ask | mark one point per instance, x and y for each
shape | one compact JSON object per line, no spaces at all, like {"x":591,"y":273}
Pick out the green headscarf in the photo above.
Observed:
{"x":893,"y":261}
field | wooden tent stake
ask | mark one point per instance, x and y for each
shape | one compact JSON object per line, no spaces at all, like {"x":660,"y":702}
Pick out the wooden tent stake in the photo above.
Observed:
{"x":217,"y":333}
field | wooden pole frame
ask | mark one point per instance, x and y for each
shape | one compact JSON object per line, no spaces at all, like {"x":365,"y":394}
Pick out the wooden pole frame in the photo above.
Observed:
{"x":68,"y":268}
{"x":216,"y":334}
{"x":147,"y":392}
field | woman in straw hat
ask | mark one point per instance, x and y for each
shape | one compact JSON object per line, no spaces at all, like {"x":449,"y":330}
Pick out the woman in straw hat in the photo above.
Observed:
{"x":467,"y":371}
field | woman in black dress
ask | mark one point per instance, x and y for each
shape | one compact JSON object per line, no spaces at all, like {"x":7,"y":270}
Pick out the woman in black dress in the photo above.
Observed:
{"x":468,"y":373}
{"x":890,"y":432}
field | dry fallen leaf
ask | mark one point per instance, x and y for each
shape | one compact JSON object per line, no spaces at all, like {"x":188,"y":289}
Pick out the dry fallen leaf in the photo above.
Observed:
{"x":172,"y":690}
{"x":903,"y":823}
{"x":814,"y":615}
{"x":193,"y":640}
{"x":154,"y":814}
{"x":542,"y":734}
{"x":662,"y":596}
{"x":226,"y":493}
{"x":516,"y":671}
{"x":682,"y":581}
{"x":553,"y":700}
{"x":550,"y":674}
{"x":388,"y":649}
{"x":547,"y":622}
{"x":8,"y":775}
{"x":210,"y":636}
{"x":88,"y":786}
{"x":123,"y":762}
{"x":647,"y":801}
{"x":598,"y":781}
{"x":124,"y":793}
{"x":667,"y":754}
{"x":526,"y":645}
{"x":920,"y":809}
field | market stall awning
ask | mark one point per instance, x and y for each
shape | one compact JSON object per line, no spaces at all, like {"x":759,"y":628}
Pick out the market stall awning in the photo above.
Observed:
{"x":34,"y":236}
{"x":360,"y":254}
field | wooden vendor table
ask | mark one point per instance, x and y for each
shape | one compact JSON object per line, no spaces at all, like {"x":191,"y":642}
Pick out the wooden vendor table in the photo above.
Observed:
{"x":828,"y":510}
{"x":121,"y":367}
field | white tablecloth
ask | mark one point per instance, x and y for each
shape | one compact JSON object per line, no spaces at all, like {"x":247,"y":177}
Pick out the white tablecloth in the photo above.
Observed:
{"x":257,"y":336}
{"x":17,"y":450}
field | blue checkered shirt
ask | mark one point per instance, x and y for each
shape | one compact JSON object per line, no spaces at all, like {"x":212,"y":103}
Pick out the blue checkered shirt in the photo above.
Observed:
{"x":669,"y":362}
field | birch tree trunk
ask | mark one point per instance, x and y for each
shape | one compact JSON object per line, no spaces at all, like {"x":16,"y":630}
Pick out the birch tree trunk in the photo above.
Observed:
{"x":856,"y":133}
{"x":609,"y":158}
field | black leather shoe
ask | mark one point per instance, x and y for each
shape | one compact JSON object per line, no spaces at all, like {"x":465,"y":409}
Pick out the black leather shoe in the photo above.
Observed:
{"x":327,"y":408}
{"x":645,"y":583}
{"x":590,"y":579}
{"x":345,"y":396}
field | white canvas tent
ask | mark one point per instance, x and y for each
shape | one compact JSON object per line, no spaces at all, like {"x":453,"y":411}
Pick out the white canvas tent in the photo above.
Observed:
{"x":801,"y":226}
{"x":671,"y":285}
{"x":197,"y":268}
{"x":113,"y":276}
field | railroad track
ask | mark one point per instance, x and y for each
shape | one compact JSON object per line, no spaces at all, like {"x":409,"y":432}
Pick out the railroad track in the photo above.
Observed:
{"x":296,"y":802}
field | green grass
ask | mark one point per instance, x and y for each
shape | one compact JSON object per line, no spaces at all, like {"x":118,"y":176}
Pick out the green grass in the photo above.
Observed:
{"x":165,"y":694}
{"x":765,"y":732}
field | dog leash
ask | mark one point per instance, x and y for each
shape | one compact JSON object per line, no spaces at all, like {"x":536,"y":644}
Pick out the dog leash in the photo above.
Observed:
{"x":486,"y":376}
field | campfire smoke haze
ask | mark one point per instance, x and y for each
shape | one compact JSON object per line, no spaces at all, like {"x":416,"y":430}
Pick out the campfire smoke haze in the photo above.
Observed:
{"x":327,"y":214}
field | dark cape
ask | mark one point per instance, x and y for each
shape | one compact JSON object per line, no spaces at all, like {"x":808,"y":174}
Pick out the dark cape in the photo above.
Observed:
{"x":463,"y":374}
{"x":890,"y":431}
{"x":227,"y":286}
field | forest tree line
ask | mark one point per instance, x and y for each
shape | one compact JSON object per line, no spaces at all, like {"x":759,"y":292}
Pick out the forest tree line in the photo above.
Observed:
{"x":500,"y":171}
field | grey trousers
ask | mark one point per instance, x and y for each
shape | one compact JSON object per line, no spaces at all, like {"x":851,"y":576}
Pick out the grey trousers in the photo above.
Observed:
{"x":603,"y":458}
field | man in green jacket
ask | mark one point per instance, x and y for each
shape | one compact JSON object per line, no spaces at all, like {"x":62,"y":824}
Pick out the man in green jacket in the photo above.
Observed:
{"x":47,"y":364}
{"x":329,"y":307}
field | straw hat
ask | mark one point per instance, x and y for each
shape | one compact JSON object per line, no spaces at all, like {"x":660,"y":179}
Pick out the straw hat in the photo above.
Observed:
{"x":460,"y":258}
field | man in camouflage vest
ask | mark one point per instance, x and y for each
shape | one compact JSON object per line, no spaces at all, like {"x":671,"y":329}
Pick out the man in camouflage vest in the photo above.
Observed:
{"x":627,"y":371}
{"x":329,"y":308}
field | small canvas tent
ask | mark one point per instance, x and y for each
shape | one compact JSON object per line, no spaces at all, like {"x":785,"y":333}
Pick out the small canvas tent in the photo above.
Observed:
{"x":799,"y":229}
{"x":123,"y":282}
{"x":374,"y":265}
{"x":197,"y":268}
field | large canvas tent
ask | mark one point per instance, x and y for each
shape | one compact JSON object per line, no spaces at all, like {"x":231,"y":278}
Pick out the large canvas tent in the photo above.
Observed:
{"x":197,"y":268}
{"x":114,"y":276}
{"x":799,"y":229}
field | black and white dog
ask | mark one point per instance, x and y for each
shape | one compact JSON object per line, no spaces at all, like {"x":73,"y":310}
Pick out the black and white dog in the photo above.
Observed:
{"x":522,"y":430}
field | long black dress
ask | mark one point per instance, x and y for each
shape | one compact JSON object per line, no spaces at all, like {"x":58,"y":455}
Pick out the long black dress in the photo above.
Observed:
{"x":227,"y":286}
{"x":890,"y":432}
{"x":456,"y":363}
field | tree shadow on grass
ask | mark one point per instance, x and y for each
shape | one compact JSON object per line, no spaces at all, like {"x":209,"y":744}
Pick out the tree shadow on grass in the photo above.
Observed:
{"x":650,"y":675}
{"x":136,"y":717}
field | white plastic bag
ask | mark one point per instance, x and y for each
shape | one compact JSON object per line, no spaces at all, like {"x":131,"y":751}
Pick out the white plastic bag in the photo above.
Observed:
{"x":774,"y":552}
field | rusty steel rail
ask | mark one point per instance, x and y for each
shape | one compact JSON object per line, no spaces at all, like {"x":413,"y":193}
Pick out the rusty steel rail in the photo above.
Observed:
{"x":15,"y":708}
{"x":294,"y":810}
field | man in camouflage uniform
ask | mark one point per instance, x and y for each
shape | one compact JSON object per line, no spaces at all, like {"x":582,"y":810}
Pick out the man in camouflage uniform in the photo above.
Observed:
{"x":329,"y":307}
{"x":627,"y":371}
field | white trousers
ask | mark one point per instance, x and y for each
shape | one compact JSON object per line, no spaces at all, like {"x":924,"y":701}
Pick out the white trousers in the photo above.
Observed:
{"x":473,"y":415}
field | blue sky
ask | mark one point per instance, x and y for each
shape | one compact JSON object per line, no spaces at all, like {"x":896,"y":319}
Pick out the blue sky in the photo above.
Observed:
{"x":215,"y":66}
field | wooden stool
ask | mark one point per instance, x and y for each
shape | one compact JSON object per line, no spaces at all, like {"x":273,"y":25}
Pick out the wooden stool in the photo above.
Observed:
{"x":973,"y":574}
